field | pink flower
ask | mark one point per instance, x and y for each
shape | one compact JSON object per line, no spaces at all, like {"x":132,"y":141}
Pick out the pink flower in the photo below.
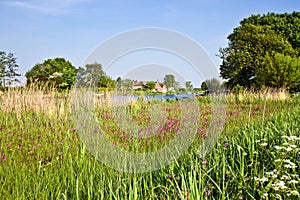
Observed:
{"x":31,"y":152}
{"x":176,"y":129}
{"x":226,"y":144}
{"x":201,"y":132}
{"x":4,"y":159}
{"x":207,"y":192}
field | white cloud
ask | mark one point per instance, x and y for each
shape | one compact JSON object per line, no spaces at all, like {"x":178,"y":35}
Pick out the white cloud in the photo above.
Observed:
{"x":50,"y":7}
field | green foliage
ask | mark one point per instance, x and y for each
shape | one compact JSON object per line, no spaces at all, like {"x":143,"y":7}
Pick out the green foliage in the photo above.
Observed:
{"x":8,"y":69}
{"x":150,"y":85}
{"x":212,"y":85}
{"x":89,"y":75}
{"x":204,"y":86}
{"x":57,"y":72}
{"x":169,"y":81}
{"x":189,"y":86}
{"x":250,"y":43}
{"x":279,"y":70}
{"x":286,"y":24}
{"x":126,"y":86}
{"x":106,"y":82}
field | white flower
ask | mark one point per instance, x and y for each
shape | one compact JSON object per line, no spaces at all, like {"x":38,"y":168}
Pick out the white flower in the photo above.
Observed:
{"x":290,"y":166}
{"x":263,"y":144}
{"x":291,"y":138}
{"x":293,"y":146}
{"x":264,"y":195}
{"x":264,"y":179}
{"x":269,"y":173}
{"x":278,"y":147}
{"x":288,"y":149}
{"x":295,"y":193}
{"x":277,"y":196}
{"x":288,"y":161}
{"x":285,"y":177}
{"x":281,"y":184}
{"x":293,"y":182}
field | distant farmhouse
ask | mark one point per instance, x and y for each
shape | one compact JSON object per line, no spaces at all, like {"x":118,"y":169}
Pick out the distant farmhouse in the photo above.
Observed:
{"x":160,"y":87}
{"x":139,"y":85}
{"x":142,"y":85}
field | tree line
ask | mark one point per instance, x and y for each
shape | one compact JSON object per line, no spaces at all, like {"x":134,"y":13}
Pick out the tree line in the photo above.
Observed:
{"x":263,"y":51}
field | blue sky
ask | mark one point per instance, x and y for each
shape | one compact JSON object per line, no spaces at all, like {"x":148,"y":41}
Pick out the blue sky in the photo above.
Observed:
{"x":36,"y":30}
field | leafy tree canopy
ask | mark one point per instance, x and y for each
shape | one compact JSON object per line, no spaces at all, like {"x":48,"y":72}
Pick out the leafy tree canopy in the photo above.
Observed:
{"x":287,"y":25}
{"x":204,"y":86}
{"x":57,"y":72}
{"x":188,"y":86}
{"x":89,"y":75}
{"x":106,"y":82}
{"x":150,"y":85}
{"x":169,"y":81}
{"x":212,"y":85}
{"x":255,"y":47}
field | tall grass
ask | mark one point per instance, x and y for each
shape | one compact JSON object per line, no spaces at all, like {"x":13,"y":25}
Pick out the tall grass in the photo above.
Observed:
{"x":42,"y":157}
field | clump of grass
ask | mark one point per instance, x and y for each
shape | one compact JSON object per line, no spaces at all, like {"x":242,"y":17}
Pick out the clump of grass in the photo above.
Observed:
{"x":266,"y":94}
{"x":43,"y":100}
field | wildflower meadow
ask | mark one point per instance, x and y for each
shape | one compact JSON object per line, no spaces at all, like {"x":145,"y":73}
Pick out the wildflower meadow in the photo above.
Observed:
{"x":256,"y":156}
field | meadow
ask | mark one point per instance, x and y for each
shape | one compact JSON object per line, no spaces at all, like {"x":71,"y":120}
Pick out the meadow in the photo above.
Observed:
{"x":256,"y":155}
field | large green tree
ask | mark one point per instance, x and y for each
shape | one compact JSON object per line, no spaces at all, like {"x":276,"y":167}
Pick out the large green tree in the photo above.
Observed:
{"x":188,"y":86}
{"x":8,"y":69}
{"x":212,"y":85}
{"x":57,"y":72}
{"x":256,"y":40}
{"x":89,"y":75}
{"x":169,"y":81}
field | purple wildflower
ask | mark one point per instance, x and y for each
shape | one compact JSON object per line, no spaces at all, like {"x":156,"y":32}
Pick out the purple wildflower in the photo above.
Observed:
{"x":226,"y":144}
{"x":207,"y":192}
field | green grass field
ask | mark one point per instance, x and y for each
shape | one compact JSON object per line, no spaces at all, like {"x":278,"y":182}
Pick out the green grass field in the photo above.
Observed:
{"x":256,"y":157}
